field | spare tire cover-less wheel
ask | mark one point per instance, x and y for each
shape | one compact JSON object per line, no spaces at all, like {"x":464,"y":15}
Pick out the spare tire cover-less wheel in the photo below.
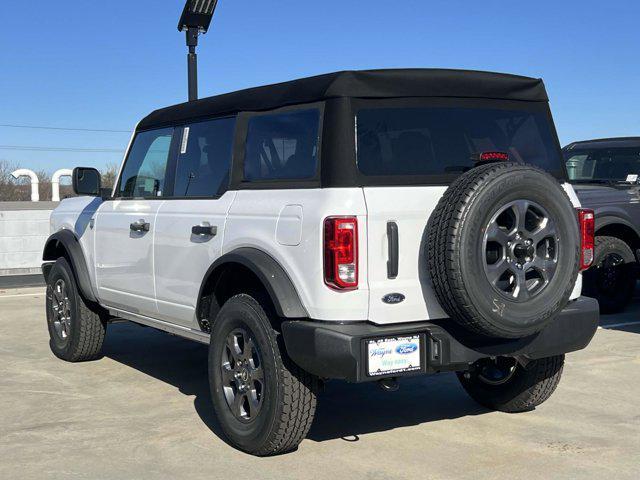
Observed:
{"x":503,"y":248}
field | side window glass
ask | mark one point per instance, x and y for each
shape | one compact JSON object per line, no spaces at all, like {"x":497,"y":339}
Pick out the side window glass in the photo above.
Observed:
{"x":204,"y":158}
{"x":282,"y":146}
{"x":144,"y":171}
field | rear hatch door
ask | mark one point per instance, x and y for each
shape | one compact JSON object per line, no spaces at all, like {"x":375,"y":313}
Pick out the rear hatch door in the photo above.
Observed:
{"x":408,"y":152}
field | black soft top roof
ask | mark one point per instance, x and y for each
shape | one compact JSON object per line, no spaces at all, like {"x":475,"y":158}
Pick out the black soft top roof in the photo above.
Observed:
{"x":619,"y":142}
{"x":359,"y":84}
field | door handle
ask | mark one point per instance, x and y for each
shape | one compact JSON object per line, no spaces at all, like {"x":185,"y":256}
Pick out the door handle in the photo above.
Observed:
{"x":204,"y":230}
{"x":139,"y":226}
{"x":392,"y":262}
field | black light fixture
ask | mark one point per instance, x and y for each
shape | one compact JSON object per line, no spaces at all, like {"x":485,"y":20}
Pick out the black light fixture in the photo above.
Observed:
{"x":196,"y":18}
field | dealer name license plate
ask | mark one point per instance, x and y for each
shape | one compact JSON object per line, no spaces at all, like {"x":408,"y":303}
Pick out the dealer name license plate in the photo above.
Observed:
{"x":393,"y":355}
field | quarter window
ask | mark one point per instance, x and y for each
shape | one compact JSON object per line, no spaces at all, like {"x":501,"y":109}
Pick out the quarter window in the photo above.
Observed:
{"x":144,"y":171}
{"x":204,"y":158}
{"x":282,"y":146}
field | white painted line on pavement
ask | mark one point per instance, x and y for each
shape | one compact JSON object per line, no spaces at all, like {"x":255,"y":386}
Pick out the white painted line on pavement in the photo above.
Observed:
{"x":23,"y":295}
{"x":621,"y":324}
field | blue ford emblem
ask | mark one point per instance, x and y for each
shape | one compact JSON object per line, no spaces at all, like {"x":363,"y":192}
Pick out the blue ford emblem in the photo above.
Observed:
{"x":406,"y":348}
{"x":393,"y":298}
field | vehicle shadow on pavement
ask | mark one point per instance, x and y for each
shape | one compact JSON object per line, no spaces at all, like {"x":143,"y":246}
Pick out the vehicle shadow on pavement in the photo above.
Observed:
{"x":627,"y":320}
{"x":344,"y":410}
{"x":629,"y":328}
{"x":173,"y":360}
{"x":347,"y":411}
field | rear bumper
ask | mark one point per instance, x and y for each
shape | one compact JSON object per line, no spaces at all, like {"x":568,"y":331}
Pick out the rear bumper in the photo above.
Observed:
{"x":338,"y":351}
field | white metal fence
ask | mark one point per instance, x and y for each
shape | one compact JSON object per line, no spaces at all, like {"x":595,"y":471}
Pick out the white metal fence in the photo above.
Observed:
{"x":24,"y":228}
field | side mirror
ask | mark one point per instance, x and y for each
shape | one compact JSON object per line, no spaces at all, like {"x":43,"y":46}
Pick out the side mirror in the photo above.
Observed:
{"x":86,"y":181}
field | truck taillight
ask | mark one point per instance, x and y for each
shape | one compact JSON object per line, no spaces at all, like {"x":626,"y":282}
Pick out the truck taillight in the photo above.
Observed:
{"x":586,"y":219}
{"x":341,"y":252}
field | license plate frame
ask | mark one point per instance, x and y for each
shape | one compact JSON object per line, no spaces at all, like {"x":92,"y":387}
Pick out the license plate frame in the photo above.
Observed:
{"x":404,"y":355}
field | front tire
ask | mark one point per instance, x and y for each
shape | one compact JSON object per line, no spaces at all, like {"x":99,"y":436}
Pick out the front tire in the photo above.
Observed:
{"x":264,"y":402}
{"x":612,"y":278}
{"x":76,"y":330}
{"x":506,"y":385}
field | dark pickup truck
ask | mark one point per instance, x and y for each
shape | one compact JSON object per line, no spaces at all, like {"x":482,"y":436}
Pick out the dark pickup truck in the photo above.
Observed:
{"x":605,"y":174}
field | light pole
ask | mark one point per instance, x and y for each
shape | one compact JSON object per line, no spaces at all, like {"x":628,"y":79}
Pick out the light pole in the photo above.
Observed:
{"x":195,"y":19}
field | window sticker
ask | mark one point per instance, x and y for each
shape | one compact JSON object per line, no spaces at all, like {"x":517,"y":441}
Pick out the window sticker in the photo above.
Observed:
{"x":185,"y":139}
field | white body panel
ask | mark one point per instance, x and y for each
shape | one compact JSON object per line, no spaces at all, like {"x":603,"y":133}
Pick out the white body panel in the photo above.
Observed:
{"x":181,"y":258}
{"x":255,"y":221}
{"x":77,"y":214}
{"x":124,"y":258}
{"x":577,"y":288}
{"x":409,"y":208}
{"x":159,"y":273}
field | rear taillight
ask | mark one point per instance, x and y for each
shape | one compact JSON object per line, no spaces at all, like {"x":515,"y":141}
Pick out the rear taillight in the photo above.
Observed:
{"x":341,"y":252}
{"x":586,"y":219}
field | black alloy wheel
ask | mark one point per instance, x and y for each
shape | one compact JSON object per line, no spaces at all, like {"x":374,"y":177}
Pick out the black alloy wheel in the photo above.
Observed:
{"x":520,"y":250}
{"x":264,"y":402}
{"x":242,"y":374}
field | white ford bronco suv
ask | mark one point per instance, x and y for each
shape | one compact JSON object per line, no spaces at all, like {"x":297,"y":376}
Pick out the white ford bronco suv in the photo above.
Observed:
{"x":361,"y":226}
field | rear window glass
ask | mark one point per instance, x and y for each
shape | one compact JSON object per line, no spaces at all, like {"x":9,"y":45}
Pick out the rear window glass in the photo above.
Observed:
{"x":282,"y":146}
{"x":440,"y":141}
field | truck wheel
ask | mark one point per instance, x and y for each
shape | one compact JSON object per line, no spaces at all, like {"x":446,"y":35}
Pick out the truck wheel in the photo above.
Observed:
{"x":76,"y":332}
{"x":503,"y":248}
{"x":264,"y":402}
{"x":612,"y":278}
{"x":504,"y":384}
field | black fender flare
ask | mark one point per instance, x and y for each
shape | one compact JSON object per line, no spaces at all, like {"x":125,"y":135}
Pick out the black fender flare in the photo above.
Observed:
{"x":279,"y":286}
{"x":68,"y":241}
{"x":604,"y":219}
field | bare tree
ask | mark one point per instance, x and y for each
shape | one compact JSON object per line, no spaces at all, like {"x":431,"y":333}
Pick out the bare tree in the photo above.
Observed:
{"x":44,"y":185}
{"x":10,"y":188}
{"x":109,"y":174}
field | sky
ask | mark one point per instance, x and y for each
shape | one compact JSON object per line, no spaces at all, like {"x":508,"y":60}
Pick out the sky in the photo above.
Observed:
{"x":105,"y":65}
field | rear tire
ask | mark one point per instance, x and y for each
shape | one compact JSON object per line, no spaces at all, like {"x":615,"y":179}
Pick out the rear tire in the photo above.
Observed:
{"x":612,"y":278}
{"x":512,"y":388}
{"x":264,"y":402}
{"x":76,"y":330}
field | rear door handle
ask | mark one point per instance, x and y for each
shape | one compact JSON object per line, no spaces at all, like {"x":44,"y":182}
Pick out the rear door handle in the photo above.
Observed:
{"x":139,"y":226}
{"x":392,"y":262}
{"x":204,"y":230}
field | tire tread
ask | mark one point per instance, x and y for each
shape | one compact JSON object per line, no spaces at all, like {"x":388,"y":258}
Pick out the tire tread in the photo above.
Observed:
{"x":532,"y":386}
{"x":88,"y":330}
{"x":296,"y":394}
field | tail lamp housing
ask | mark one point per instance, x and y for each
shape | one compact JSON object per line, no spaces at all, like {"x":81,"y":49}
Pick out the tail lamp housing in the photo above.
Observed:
{"x":586,"y":220}
{"x":341,"y":252}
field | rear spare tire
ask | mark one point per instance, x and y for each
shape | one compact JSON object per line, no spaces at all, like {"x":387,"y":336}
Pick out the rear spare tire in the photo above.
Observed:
{"x":503,"y":249}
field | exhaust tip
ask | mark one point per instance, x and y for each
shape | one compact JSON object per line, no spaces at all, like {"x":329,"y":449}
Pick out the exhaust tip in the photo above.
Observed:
{"x":389,"y":384}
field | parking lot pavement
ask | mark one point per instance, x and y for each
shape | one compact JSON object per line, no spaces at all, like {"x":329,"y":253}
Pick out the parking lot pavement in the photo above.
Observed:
{"x":143,"y":411}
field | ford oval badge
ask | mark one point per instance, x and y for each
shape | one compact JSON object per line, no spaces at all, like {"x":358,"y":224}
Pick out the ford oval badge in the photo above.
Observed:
{"x":406,"y":348}
{"x":392,"y":298}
